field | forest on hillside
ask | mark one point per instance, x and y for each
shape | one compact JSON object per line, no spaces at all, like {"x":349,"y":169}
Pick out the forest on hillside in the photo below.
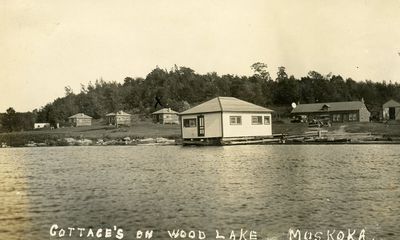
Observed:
{"x":181,"y":87}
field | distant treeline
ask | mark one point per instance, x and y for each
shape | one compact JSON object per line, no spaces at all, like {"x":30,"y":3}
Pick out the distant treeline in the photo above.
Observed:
{"x":181,"y":88}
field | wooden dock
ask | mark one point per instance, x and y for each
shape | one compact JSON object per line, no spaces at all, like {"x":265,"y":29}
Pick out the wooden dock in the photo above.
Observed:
{"x":309,"y":137}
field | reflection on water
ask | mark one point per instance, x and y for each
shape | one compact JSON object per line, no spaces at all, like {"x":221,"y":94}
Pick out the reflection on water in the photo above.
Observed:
{"x":14,"y":213}
{"x":267,"y":188}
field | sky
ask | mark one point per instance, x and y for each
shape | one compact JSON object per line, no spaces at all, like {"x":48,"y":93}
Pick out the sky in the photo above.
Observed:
{"x":46,"y":45}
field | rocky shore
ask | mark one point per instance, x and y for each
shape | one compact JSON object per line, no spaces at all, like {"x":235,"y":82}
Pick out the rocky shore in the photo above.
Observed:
{"x":69,"y":141}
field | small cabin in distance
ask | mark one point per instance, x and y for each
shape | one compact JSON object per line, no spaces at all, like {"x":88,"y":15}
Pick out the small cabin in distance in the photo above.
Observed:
{"x":80,"y":119}
{"x":225,"y":119}
{"x":165,"y":116}
{"x":391,"y":110}
{"x":118,"y":118}
{"x":41,"y":125}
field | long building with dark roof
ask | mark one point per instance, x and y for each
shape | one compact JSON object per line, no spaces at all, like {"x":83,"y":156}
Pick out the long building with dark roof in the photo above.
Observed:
{"x":354,"y":111}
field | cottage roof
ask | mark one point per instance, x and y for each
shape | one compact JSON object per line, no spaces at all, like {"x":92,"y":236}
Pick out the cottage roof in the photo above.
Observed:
{"x":119,"y":113}
{"x":165,"y":110}
{"x":391,"y":103}
{"x":80,"y":115}
{"x":331,"y":106}
{"x":225,"y":104}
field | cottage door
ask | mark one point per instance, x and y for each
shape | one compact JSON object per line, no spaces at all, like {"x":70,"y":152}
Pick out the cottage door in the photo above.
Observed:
{"x":345,"y":117}
{"x":392,"y":113}
{"x":200,"y":126}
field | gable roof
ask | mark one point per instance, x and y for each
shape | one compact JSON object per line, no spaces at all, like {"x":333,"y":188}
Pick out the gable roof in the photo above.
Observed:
{"x":225,"y":104}
{"x":391,"y":103}
{"x":165,"y":110}
{"x":80,"y":115}
{"x":330,"y":106}
{"x":119,"y":113}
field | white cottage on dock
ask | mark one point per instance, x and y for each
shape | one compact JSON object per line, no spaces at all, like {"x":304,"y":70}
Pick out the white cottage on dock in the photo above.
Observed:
{"x":225,"y":120}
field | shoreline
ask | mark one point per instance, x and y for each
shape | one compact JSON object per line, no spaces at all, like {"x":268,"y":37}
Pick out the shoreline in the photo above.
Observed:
{"x":142,"y":133}
{"x":72,"y":142}
{"x":160,"y":141}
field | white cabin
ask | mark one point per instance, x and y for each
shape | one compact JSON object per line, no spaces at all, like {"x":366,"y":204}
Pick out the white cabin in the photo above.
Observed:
{"x":391,"y":110}
{"x":41,"y":125}
{"x":223,"y":118}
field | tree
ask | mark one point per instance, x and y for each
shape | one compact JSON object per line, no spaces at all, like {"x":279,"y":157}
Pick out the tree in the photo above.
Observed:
{"x":181,"y":87}
{"x":281,"y":75}
{"x":260,"y":69}
{"x":68,"y":91}
{"x":9,"y":120}
{"x":287,"y":89}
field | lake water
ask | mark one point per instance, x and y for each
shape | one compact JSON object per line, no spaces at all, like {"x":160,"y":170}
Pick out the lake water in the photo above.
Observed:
{"x":264,"y":188}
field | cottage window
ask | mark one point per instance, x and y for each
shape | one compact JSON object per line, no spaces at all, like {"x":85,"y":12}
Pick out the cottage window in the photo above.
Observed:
{"x":256,"y":120}
{"x":336,"y":117}
{"x":189,"y":123}
{"x":353,"y":117}
{"x":235,"y":120}
{"x":267,"y":120}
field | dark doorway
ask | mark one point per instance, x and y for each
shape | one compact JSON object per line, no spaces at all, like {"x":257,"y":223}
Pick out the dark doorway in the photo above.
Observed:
{"x":345,"y":117}
{"x":200,"y":126}
{"x":392,"y":113}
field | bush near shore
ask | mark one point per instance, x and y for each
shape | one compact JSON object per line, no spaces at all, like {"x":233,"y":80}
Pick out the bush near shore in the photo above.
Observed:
{"x":20,"y":139}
